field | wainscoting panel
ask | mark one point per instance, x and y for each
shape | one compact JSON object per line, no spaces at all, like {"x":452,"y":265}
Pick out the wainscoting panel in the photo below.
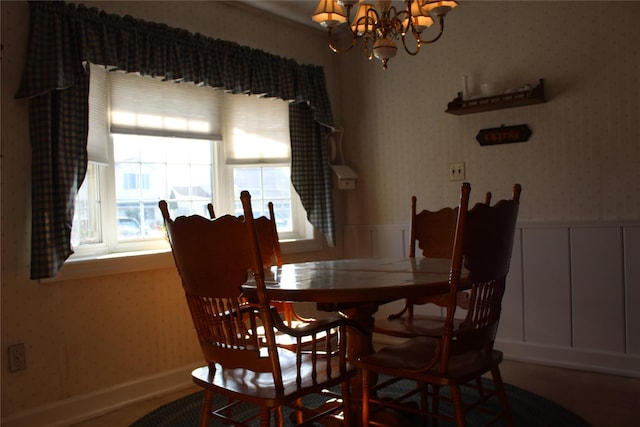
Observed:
{"x":512,"y":316}
{"x":571,"y":298}
{"x":632,"y":281}
{"x":547,"y":286}
{"x":597,"y":288}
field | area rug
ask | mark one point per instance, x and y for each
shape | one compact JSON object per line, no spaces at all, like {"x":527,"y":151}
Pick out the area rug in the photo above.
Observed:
{"x":529,"y":410}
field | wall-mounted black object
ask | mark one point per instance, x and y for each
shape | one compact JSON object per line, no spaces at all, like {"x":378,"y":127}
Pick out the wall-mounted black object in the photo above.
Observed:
{"x":503,"y":135}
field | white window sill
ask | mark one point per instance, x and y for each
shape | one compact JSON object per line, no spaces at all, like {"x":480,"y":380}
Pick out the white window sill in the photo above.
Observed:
{"x":131,"y":262}
{"x":117,"y":263}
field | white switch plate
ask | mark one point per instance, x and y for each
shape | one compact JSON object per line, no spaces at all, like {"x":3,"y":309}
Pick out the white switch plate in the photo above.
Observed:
{"x":456,"y":171}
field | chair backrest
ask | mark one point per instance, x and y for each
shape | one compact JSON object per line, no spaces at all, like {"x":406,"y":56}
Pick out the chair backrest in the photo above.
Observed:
{"x":486,"y":249}
{"x":214,"y":257}
{"x":489,"y":237}
{"x":433,"y":231}
{"x":450,"y":302}
{"x":267,"y":236}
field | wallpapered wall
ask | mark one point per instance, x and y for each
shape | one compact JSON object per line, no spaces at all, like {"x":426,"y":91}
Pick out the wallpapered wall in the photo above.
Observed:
{"x":581,"y":163}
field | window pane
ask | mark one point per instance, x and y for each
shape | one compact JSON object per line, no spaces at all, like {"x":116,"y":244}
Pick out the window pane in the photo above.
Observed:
{"x":129,"y":152}
{"x":129,"y":221}
{"x":282,"y":212}
{"x":86,"y":228}
{"x":127,"y":178}
{"x":276,"y":182}
{"x":178,"y":154}
{"x":173,"y":169}
{"x":157,"y":154}
{"x":266,"y":184}
{"x":249,"y":179}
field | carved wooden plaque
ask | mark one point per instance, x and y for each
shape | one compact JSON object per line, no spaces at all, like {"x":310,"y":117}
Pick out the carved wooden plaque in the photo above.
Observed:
{"x":504,"y":135}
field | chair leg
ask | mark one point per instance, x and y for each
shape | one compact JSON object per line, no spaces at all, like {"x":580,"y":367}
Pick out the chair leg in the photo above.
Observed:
{"x":297,"y":414}
{"x":346,"y":403}
{"x":205,"y":414}
{"x":279,"y":416}
{"x":435,"y":403}
{"x":504,"y":402}
{"x":456,"y":397}
{"x":365,"y":397}
{"x":424,"y":401}
{"x":481,"y":389}
{"x":424,"y":396}
{"x":265,"y":417}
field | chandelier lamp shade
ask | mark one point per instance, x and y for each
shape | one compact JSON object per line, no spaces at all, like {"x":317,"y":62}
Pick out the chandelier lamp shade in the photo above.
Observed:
{"x":381,"y":25}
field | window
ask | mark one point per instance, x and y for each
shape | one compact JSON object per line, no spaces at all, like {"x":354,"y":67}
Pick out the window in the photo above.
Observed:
{"x":150,"y":168}
{"x":151,"y":140}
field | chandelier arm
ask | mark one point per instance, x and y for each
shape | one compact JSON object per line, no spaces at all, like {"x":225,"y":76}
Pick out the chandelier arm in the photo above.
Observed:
{"x":441,"y":22}
{"x":337,"y":49}
{"x":354,"y":33}
{"x":372,"y":21}
{"x":368,"y":50}
{"x":418,"y":45}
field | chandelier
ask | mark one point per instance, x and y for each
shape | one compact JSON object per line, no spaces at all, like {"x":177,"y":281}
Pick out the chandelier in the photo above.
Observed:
{"x":380,"y":24}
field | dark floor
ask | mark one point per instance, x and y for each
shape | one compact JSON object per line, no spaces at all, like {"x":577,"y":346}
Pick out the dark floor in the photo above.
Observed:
{"x":602,"y":400}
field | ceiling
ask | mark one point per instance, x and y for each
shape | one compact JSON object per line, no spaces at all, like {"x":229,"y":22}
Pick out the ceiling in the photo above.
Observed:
{"x":295,"y":10}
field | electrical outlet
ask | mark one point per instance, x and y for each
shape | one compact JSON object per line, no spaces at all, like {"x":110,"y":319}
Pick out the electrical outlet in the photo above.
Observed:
{"x":456,"y":171}
{"x":17,"y":358}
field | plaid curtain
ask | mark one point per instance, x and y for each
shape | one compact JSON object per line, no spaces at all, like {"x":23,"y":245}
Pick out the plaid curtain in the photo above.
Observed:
{"x":64,"y":37}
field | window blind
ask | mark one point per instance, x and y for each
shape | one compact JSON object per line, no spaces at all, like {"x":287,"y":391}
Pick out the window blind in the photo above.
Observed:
{"x":147,"y":106}
{"x":97,"y":140}
{"x":257,"y":130}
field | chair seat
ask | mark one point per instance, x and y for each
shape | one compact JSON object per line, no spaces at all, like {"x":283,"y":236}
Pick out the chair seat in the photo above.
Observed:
{"x":418,"y":352}
{"x":289,"y":342}
{"x":259,"y":388}
{"x":404,"y":327}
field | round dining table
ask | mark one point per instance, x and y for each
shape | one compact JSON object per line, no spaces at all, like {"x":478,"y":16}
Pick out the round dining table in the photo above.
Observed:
{"x":355,"y":288}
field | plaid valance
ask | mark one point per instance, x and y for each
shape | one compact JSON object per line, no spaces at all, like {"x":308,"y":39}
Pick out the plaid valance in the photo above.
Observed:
{"x":64,"y":37}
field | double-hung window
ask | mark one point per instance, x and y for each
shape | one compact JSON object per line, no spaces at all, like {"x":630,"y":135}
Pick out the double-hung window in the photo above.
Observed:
{"x":152,"y":140}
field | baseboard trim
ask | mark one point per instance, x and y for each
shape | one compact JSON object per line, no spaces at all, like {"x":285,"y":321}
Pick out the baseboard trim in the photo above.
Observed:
{"x":625,"y":365}
{"x":90,"y":405}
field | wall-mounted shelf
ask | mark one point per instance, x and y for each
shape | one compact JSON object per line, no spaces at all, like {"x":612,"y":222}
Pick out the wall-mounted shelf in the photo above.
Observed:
{"x":497,"y":102}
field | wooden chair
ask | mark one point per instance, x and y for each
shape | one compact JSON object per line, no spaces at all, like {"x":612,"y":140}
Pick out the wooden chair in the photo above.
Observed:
{"x":433,"y":232}
{"x":213,"y":258}
{"x":463,"y":352}
{"x":269,"y":244}
{"x":267,"y":236}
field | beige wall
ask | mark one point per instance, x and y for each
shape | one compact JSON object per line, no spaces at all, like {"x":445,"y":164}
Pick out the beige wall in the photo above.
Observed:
{"x":581,"y":164}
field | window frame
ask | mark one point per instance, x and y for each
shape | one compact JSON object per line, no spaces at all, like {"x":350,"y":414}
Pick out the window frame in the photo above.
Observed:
{"x":306,"y":238}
